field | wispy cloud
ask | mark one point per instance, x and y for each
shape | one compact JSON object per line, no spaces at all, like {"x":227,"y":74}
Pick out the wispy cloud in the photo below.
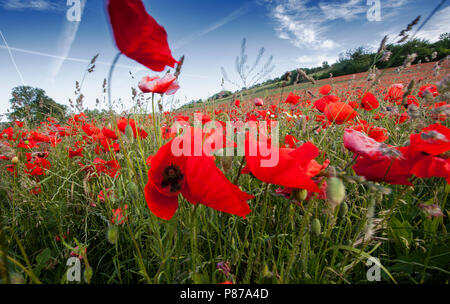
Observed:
{"x":315,"y":60}
{"x":234,"y":15}
{"x":65,"y":42}
{"x":38,"y":5}
{"x":436,"y":26}
{"x":348,"y":11}
{"x":299,"y":23}
{"x":306,"y":23}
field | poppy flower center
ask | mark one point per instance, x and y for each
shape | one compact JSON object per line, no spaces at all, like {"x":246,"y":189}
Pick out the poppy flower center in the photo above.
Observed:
{"x":172,"y":177}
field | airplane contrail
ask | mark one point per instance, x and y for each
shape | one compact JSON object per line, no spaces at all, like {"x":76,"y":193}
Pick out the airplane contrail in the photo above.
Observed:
{"x":235,"y":14}
{"x":66,"y":40}
{"x":12,"y":58}
{"x":135,"y":68}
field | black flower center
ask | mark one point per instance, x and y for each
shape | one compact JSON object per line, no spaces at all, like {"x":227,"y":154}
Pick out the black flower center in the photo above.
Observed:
{"x":172,"y":176}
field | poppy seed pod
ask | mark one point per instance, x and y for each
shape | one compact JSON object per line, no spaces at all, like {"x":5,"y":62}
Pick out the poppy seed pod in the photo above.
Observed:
{"x":335,"y":191}
{"x":15,"y":160}
{"x":343,"y":209}
{"x":112,"y":234}
{"x":300,"y":194}
{"x":316,"y":227}
{"x":133,"y":190}
{"x":129,"y":132}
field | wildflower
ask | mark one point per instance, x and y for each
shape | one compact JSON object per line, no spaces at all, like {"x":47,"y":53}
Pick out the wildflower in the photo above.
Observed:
{"x":74,"y":153}
{"x":167,"y":85}
{"x":110,"y":168}
{"x":258,"y":102}
{"x":224,"y":267}
{"x":325,"y":90}
{"x":294,"y":169}
{"x":196,"y":177}
{"x":118,"y":216}
{"x":138,"y":35}
{"x":369,"y":102}
{"x":428,"y":88}
{"x":339,"y":112}
{"x":431,"y":210}
{"x":292,"y":99}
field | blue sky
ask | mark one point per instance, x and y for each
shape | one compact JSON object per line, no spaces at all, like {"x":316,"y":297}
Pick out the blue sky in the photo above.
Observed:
{"x":50,"y":52}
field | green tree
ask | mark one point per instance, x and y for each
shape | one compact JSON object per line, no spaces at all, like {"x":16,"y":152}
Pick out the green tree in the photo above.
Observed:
{"x":34,"y":105}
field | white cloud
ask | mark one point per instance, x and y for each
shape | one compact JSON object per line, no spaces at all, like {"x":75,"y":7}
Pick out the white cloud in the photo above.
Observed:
{"x":437,"y":25}
{"x":348,"y":11}
{"x":38,"y":5}
{"x":299,"y":24}
{"x":315,"y":60}
{"x":304,"y":22}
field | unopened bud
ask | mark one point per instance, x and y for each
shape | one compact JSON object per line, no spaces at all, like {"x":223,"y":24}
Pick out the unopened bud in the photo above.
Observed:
{"x":335,"y":191}
{"x":300,"y":194}
{"x":316,"y":227}
{"x":15,"y":160}
{"x":129,"y":132}
{"x":343,"y":209}
{"x":113,"y":234}
{"x":133,"y":190}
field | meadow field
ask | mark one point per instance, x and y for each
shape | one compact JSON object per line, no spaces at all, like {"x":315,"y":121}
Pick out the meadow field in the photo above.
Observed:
{"x":375,"y":186}
{"x":343,"y":180}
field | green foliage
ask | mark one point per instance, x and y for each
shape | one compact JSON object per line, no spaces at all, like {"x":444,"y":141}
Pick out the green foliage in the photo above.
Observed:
{"x":33,"y":105}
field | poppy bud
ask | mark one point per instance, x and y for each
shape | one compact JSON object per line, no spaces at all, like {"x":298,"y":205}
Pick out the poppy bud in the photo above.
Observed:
{"x":27,"y":142}
{"x":300,"y":194}
{"x":112,"y":234}
{"x":129,"y":132}
{"x":335,"y":191}
{"x":133,"y":190}
{"x":15,"y":160}
{"x":315,"y":227}
{"x":343,"y":209}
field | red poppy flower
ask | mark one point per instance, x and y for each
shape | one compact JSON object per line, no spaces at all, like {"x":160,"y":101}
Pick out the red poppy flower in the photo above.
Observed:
{"x":110,"y":168}
{"x":369,"y":102}
{"x":292,"y":99}
{"x":123,"y":123}
{"x":258,"y":102}
{"x":118,"y":216}
{"x":377,"y":133}
{"x":325,"y":90}
{"x":434,"y":140}
{"x":109,"y":133}
{"x":36,"y":167}
{"x":138,"y":35}
{"x":290,"y":141}
{"x":294,"y":169}
{"x":395,"y":93}
{"x":431,"y":88}
{"x":322,"y":103}
{"x":197,"y":178}
{"x":167,"y":85}
{"x":77,"y":152}
{"x":237,"y":103}
{"x":339,"y":112}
